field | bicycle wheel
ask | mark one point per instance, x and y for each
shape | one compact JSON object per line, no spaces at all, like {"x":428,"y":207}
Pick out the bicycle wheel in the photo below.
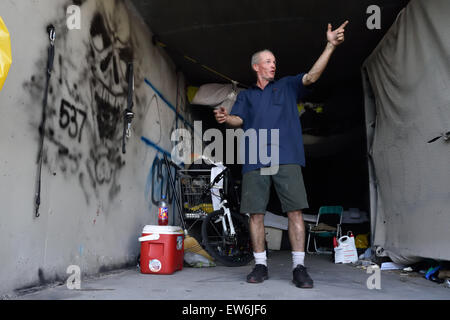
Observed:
{"x":232,"y":251}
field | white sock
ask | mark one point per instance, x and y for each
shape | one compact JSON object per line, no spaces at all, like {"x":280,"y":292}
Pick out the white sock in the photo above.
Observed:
{"x":260,"y":258}
{"x":298,"y":258}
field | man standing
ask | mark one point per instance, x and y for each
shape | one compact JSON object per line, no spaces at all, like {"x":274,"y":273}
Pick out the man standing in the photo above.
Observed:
{"x":271,"y":104}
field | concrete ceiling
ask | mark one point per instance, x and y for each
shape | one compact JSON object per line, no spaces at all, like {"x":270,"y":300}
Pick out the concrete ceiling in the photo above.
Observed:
{"x":224,"y":34}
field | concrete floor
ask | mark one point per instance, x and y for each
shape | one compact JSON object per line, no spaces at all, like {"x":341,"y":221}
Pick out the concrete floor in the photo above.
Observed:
{"x":331,"y":281}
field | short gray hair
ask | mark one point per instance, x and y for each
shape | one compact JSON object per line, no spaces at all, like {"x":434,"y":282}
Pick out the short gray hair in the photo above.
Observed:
{"x":256,"y":56}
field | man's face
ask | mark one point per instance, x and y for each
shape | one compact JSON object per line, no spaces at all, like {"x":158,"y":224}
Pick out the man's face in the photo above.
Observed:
{"x":266,"y":66}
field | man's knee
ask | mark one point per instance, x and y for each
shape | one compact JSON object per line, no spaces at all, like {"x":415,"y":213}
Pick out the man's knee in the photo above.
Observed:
{"x":295,"y":215}
{"x":257,"y":218}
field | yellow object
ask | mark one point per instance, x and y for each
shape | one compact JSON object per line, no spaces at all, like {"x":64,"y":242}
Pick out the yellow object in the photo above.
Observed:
{"x":5,"y":52}
{"x":206,"y":207}
{"x":318,"y":108}
{"x":192,"y":245}
{"x":362,"y":241}
{"x":191,"y":92}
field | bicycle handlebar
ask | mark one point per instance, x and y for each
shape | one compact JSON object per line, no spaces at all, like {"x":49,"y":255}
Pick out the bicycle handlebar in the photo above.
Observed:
{"x":219,"y":177}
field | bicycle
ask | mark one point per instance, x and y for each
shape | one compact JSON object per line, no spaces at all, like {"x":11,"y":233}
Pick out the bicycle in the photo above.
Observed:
{"x":224,"y":233}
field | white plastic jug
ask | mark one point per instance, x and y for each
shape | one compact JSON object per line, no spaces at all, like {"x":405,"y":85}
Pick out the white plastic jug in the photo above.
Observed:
{"x":346,"y":252}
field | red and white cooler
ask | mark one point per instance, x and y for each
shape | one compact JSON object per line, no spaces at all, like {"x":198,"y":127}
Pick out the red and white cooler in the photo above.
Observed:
{"x":162,"y":249}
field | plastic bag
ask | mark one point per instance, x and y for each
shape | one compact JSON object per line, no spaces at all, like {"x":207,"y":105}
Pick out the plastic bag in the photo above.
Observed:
{"x":346,"y":252}
{"x":5,"y":52}
{"x":197,"y":261}
{"x":362,"y":241}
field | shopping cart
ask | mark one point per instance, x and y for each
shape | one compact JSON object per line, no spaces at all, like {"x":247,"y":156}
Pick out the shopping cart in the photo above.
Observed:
{"x":224,"y":233}
{"x":192,"y":183}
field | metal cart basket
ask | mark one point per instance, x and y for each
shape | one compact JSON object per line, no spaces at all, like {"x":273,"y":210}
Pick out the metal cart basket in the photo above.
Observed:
{"x":191,"y":184}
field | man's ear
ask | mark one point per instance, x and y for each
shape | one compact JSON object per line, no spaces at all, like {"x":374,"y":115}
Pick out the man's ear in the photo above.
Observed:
{"x":255,"y":67}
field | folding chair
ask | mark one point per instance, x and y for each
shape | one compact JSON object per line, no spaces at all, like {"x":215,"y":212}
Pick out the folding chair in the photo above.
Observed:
{"x":328,"y":225}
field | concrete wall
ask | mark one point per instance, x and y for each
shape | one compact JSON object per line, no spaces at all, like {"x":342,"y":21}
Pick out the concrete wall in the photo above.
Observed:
{"x":95,"y":200}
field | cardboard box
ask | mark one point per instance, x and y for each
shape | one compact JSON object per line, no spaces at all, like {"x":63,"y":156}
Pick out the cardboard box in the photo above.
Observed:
{"x":273,"y":238}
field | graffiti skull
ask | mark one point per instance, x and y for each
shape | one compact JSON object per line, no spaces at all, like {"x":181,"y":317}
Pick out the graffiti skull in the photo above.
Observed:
{"x":111,"y":51}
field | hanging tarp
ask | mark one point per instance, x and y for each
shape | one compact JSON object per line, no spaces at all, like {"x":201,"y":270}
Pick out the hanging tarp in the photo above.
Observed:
{"x":5,"y":52}
{"x":407,"y":103}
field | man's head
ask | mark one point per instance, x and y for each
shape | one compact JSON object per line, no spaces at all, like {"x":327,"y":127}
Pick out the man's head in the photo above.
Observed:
{"x":264,"y":64}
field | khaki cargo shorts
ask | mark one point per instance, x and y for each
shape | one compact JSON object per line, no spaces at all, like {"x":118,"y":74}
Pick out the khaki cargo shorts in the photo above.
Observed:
{"x":288,"y":183}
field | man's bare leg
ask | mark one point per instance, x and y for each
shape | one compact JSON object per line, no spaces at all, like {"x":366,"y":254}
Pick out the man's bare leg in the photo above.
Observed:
{"x":257,"y":232}
{"x":296,"y":230}
{"x":297,"y":238}
{"x":258,"y":236}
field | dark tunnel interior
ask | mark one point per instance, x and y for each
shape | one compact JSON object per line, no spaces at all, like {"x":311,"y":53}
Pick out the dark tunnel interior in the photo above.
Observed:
{"x":224,"y":35}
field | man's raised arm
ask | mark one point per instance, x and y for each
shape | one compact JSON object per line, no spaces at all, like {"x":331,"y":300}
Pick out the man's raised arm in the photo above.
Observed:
{"x":334,"y":38}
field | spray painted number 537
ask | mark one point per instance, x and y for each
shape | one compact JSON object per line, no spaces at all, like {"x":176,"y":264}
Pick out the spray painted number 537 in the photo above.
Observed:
{"x":69,"y":118}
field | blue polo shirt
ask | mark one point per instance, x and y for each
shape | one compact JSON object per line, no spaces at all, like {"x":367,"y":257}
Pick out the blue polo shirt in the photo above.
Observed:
{"x":275,"y":107}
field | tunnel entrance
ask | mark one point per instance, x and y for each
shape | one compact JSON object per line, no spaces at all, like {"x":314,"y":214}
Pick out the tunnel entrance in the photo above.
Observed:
{"x":224,"y":39}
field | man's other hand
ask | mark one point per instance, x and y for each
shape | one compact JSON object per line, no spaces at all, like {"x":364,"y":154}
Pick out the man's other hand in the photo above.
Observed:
{"x":221,"y":114}
{"x":336,"y":37}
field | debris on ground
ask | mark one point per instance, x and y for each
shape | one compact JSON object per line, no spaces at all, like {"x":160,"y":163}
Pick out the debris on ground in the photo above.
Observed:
{"x":196,"y":260}
{"x":438,"y":272}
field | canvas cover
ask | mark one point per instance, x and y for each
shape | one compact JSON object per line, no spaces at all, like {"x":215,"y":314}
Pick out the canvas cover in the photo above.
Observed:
{"x":216,"y":94}
{"x":407,"y":104}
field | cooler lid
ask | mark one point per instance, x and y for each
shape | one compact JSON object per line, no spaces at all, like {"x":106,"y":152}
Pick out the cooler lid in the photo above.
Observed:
{"x":163,"y":229}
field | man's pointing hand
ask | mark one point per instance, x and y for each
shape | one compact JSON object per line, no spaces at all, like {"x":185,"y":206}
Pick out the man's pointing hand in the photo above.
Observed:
{"x":336,"y":37}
